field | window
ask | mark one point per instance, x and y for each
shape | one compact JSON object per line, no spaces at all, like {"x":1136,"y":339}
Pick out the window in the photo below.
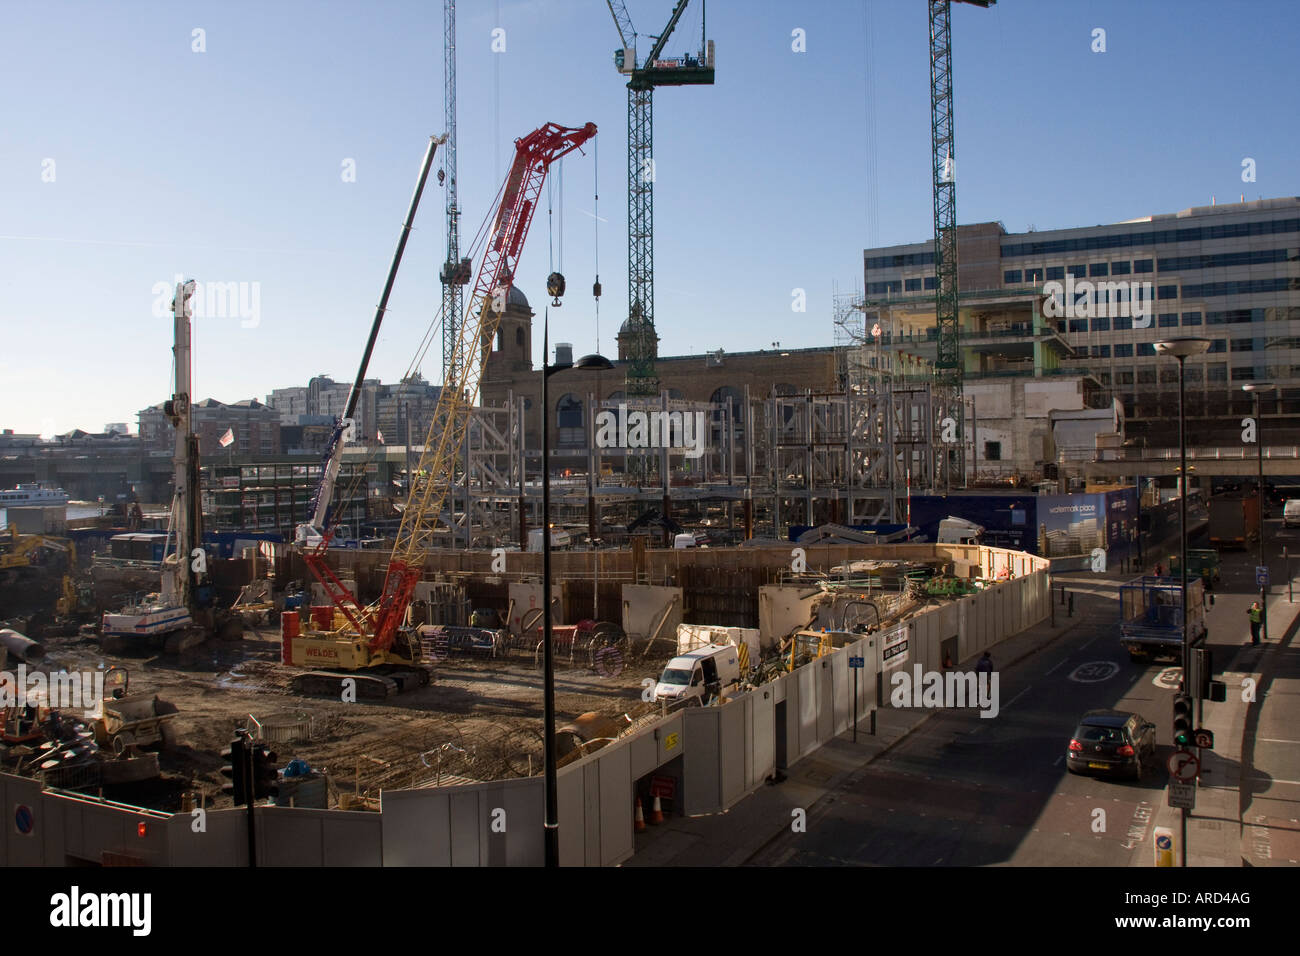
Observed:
{"x":1168,"y":320}
{"x":931,"y":283}
{"x":568,"y":418}
{"x":1099,"y":269}
{"x":1033,"y":275}
{"x":1243,"y":373}
{"x":1078,"y":272}
{"x":1146,"y":348}
{"x":1148,"y":237}
{"x":1147,"y":376}
{"x":884,"y":288}
{"x":911,"y":285}
{"x":1055,"y":273}
{"x":1123,"y":323}
{"x":1078,"y":325}
{"x":1124,"y":378}
{"x":1101,"y":324}
{"x":1191,"y":318}
{"x":519,"y":337}
{"x":1243,"y":345}
{"x":1104,"y":378}
{"x":1216,"y":372}
{"x":1011,"y":277}
{"x":1143,"y":265}
{"x":993,"y":451}
{"x":1168,"y":292}
{"x":1169,"y":376}
{"x":1194,"y":375}
{"x":1060,"y":325}
{"x":1218,"y":345}
{"x":501,"y":338}
{"x":1122,"y":268}
{"x":1101,"y":351}
{"x":1123,"y":350}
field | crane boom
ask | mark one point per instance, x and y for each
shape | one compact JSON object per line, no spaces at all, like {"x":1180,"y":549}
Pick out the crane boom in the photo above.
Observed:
{"x":623,"y":23}
{"x":436,"y":469}
{"x":317,"y":530}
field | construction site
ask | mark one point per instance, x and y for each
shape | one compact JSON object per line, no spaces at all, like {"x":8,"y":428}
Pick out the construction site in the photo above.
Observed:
{"x":655,"y":597}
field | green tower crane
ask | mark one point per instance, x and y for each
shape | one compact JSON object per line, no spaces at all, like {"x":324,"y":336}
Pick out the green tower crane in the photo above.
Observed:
{"x":639,"y":331}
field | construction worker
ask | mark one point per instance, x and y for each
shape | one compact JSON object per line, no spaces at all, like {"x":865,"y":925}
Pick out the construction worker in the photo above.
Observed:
{"x":1256,"y":615}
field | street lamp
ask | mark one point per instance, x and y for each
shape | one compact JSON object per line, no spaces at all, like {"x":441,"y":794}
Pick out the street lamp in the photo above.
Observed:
{"x":1181,"y":349}
{"x":552,"y":822}
{"x":1257,"y":388}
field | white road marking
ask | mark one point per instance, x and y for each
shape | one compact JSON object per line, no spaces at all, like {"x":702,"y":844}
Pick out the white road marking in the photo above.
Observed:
{"x":1058,"y":761}
{"x":1275,"y":740}
{"x":1017,"y":697}
{"x":1057,"y":664}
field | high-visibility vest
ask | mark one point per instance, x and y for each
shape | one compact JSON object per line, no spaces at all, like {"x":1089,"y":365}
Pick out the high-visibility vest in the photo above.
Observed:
{"x":1254,"y":615}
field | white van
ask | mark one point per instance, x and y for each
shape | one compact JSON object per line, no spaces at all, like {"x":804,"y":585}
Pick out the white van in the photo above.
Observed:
{"x":685,"y":541}
{"x":704,"y":674}
{"x":561,"y":540}
{"x":1291,"y":513}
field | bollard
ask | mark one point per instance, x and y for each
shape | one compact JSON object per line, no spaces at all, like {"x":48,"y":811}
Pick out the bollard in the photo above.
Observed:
{"x":1062,"y":595}
{"x":1071,"y":611}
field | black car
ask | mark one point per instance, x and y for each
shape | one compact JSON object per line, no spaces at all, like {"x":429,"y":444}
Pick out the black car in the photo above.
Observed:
{"x":1112,"y":741}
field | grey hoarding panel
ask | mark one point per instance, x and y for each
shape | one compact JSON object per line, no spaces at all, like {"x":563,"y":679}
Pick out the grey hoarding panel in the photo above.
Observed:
{"x":825,"y":699}
{"x":416,"y":828}
{"x":806,"y":717}
{"x":842,"y":690}
{"x":616,"y":834}
{"x":732,"y":752}
{"x":701,"y":790}
{"x":643,"y":749}
{"x":466,"y":827}
{"x":762,"y":758}
{"x":672,"y":738}
{"x":591,"y":811}
{"x":290,"y":837}
{"x":223,"y":841}
{"x":354,"y":839}
{"x":570,"y":792}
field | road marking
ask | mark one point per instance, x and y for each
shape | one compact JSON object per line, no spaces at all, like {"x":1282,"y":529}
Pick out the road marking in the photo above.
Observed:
{"x":1017,"y":697}
{"x":1057,"y":664}
{"x":1057,"y":762}
{"x":1291,"y":783}
{"x":1090,"y":640}
{"x":1094,"y":672}
{"x":1276,"y":740}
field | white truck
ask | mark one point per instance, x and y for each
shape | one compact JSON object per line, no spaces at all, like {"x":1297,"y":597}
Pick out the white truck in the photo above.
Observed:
{"x":704,"y":673}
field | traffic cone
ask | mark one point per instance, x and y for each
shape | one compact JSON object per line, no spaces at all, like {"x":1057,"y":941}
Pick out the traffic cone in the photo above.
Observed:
{"x":656,"y":812}
{"x":640,"y":816}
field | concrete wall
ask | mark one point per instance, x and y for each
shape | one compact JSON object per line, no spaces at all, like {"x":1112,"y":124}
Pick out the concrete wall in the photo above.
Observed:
{"x":642,"y":606}
{"x":782,"y":609}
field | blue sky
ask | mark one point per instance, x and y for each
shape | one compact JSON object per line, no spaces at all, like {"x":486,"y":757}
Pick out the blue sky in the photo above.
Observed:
{"x":225,"y":165}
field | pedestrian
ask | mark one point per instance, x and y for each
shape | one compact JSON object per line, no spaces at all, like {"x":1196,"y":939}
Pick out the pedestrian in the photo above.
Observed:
{"x":985,"y":664}
{"x":1160,"y":570}
{"x":1256,"y":615}
{"x":947,"y":661}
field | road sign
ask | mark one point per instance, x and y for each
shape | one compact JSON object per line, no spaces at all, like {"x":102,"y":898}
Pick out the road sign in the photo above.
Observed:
{"x":1261,"y":576}
{"x":1182,"y":796}
{"x":1183,"y":766}
{"x":24,"y":819}
{"x":855,"y":661}
{"x":893,"y":648}
{"x":1164,"y":846}
{"x":663,"y":787}
{"x":1203,"y":738}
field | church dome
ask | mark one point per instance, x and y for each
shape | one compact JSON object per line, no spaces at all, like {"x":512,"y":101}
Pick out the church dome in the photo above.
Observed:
{"x":517,"y":297}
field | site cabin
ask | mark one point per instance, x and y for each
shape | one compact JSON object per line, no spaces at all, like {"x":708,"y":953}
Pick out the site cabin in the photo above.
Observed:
{"x":702,"y":674}
{"x":1151,"y":616}
{"x":560,"y":540}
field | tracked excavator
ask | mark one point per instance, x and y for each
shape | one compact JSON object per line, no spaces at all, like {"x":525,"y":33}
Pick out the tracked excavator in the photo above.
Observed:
{"x":374,"y":650}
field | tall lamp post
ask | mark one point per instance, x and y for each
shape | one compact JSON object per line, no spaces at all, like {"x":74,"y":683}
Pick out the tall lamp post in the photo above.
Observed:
{"x":1181,"y":349}
{"x":552,"y":823}
{"x":1257,"y":388}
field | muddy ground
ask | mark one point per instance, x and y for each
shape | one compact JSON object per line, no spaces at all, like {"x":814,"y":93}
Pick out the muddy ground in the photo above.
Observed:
{"x":480,"y":719}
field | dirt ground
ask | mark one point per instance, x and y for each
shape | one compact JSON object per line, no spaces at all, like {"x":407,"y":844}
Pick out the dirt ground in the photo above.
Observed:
{"x":479,"y":719}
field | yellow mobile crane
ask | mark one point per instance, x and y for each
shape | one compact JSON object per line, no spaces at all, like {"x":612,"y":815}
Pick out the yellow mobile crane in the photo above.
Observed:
{"x":374,"y":645}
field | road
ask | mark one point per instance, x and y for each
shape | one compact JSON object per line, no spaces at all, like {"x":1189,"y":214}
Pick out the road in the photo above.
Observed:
{"x":967,"y":791}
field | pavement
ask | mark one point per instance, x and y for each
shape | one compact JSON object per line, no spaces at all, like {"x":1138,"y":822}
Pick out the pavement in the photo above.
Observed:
{"x":1248,"y":799}
{"x":734,"y":836}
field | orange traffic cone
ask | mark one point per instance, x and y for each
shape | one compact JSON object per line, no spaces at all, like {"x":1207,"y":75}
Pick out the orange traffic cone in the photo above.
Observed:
{"x":640,"y":816}
{"x":656,"y":812}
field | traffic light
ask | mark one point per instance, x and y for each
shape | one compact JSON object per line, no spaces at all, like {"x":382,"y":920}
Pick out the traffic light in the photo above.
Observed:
{"x":236,"y":771}
{"x":266,"y":778}
{"x":1182,"y":720}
